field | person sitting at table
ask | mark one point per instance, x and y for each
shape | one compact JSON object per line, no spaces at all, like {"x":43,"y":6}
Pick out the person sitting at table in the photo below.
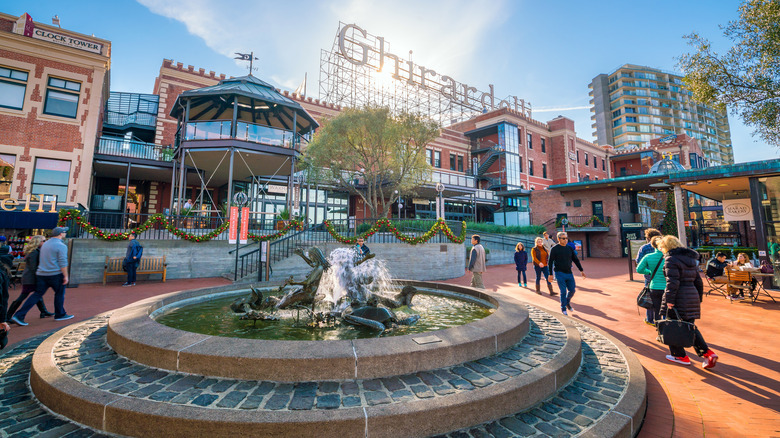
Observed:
{"x":715,"y":269}
{"x":743,"y":264}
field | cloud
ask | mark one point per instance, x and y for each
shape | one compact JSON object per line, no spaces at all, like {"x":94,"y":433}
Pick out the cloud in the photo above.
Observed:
{"x":288,"y":36}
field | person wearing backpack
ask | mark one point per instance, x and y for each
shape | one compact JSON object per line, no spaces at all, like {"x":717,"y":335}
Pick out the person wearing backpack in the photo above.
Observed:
{"x":132,"y":259}
{"x":652,"y":265}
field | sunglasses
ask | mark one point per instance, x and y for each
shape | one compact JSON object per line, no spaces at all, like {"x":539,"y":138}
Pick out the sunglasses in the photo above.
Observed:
{"x":563,"y":238}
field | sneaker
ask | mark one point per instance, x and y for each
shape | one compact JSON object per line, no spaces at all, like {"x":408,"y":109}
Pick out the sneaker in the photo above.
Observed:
{"x":46,"y":314}
{"x":18,"y":321}
{"x":62,"y":318}
{"x":564,"y":312}
{"x":568,"y":306}
{"x":126,"y":284}
{"x":736,"y":298}
{"x":650,"y":323}
{"x":681,"y":360}
{"x":710,"y":359}
{"x":525,"y":284}
{"x":519,"y":284}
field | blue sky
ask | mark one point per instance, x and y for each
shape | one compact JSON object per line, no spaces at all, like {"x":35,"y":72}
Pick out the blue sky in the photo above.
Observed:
{"x":544,"y":52}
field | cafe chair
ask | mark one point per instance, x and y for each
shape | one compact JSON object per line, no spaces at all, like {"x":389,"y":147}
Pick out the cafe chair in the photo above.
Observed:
{"x":717,"y":287}
{"x":739,"y":280}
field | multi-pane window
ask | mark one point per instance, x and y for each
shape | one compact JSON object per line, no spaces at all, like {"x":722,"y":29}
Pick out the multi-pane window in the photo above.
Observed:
{"x":460,"y":163}
{"x":13,"y":84}
{"x":437,"y":159}
{"x":7,"y":163}
{"x":543,"y":145}
{"x":531,"y":167}
{"x":429,"y":156}
{"x":62,"y":98}
{"x":544,"y":170}
{"x":50,"y":178}
{"x":452,"y":162}
{"x":586,"y":158}
{"x":530,"y":141}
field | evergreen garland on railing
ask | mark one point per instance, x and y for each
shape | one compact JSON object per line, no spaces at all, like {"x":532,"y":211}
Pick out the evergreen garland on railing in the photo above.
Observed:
{"x":298,"y":225}
{"x":440,"y":225}
{"x":592,"y":220}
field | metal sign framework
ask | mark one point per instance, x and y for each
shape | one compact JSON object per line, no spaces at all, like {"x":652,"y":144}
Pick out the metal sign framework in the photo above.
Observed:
{"x":358,"y":71}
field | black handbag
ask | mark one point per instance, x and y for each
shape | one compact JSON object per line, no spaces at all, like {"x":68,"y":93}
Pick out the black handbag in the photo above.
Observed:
{"x":676,"y":332}
{"x":644,"y":300}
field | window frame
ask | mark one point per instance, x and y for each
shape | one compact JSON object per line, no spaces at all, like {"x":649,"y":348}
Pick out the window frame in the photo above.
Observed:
{"x":47,"y":197}
{"x":543,"y":146}
{"x":437,"y":159}
{"x":17,"y":82}
{"x":530,"y":140}
{"x":531,"y":167}
{"x":10,"y":179}
{"x":62,"y":90}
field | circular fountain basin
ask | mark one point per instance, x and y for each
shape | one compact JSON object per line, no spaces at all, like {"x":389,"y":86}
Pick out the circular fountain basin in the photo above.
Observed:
{"x":134,"y":333}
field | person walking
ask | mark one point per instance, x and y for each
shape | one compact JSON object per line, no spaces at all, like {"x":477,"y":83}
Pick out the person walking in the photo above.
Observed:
{"x":32,"y":252}
{"x":548,"y":243}
{"x":540,"y":256}
{"x":683,"y":294}
{"x":132,"y":258}
{"x":561,"y":258}
{"x":477,"y":262}
{"x":52,"y":273}
{"x":644,"y":250}
{"x":652,"y":266}
{"x":521,"y":264}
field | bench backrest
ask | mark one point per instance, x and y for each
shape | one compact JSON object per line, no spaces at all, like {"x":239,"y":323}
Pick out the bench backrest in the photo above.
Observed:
{"x":147,"y":263}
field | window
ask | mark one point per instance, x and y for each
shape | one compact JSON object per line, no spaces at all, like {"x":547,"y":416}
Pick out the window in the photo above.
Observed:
{"x":429,"y":156}
{"x":13,"y":84}
{"x":62,"y":98}
{"x":544,"y":170}
{"x":630,"y":119}
{"x":603,"y":166}
{"x":452,"y":162}
{"x":521,"y":165}
{"x":543,"y":144}
{"x":530,"y":141}
{"x":50,"y":177}
{"x":531,"y":167}
{"x":578,"y":156}
{"x":595,"y":166}
{"x":577,"y":203}
{"x":586,"y":158}
{"x":7,"y":163}
{"x":437,"y":159}
{"x":460,"y":163}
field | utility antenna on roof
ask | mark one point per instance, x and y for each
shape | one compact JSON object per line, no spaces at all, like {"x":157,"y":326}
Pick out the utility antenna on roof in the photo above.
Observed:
{"x":247,"y":57}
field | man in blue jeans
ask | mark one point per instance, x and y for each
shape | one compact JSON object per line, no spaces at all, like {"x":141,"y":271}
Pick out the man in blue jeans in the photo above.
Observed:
{"x":561,"y":258}
{"x":52,"y":273}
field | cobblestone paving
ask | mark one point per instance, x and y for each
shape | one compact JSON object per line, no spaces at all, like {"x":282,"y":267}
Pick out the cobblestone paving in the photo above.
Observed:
{"x":84,"y":355}
{"x":594,"y":391}
{"x":20,"y":413}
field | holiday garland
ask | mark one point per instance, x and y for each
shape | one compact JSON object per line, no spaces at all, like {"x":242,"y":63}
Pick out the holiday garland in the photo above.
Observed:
{"x":592,"y":220}
{"x":440,"y":225}
{"x":165,"y":222}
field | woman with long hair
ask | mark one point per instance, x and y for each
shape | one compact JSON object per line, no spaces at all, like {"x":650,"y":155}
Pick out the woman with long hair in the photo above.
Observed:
{"x":682,"y":296}
{"x":31,"y":256}
{"x":540,"y":257}
{"x":521,"y":264}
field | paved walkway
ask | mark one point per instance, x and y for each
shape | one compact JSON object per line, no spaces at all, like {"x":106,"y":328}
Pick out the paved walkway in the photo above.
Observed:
{"x":740,"y":397}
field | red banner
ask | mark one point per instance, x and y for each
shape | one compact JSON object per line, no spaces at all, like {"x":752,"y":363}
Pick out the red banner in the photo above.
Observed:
{"x":233,"y":227}
{"x":244,"y":224}
{"x":29,"y":26}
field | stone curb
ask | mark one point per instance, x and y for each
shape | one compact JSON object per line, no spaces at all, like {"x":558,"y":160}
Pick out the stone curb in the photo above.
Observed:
{"x":131,"y":333}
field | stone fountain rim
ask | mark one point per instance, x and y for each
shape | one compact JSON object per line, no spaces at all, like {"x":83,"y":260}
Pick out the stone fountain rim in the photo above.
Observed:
{"x":135,"y":335}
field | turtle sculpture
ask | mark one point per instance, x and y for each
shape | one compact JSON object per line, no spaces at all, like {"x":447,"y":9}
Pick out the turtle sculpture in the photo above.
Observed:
{"x":375,"y":317}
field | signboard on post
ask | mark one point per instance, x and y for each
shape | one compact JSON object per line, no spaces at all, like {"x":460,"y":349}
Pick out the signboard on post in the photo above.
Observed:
{"x":735,"y":210}
{"x":233,"y":225}
{"x":244,"y":225}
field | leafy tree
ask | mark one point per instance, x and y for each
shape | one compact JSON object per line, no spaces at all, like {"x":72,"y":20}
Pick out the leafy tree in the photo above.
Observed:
{"x":747,"y":77}
{"x":372,"y":154}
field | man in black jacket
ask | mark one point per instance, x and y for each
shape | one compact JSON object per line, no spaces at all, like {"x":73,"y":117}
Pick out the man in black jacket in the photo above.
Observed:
{"x":715,"y":268}
{"x":561,"y":258}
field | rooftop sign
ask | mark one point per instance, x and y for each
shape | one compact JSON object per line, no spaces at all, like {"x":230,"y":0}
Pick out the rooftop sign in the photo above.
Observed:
{"x":27,"y":28}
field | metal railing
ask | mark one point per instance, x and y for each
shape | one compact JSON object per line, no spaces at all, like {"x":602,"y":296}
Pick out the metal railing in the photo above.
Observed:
{"x":120,"y":147}
{"x":578,"y":221}
{"x":250,"y":132}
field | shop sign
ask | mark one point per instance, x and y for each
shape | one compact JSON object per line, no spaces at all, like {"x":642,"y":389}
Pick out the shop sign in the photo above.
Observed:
{"x":10,"y":204}
{"x":420,"y":201}
{"x":67,"y":40}
{"x":277,"y":189}
{"x":632,"y":225}
{"x":668,"y":139}
{"x":360,"y":53}
{"x":735,"y":210}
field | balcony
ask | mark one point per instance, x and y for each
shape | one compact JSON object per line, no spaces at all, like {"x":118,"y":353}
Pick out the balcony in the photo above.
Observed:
{"x":583,"y":223}
{"x":120,"y":147}
{"x":249,"y":132}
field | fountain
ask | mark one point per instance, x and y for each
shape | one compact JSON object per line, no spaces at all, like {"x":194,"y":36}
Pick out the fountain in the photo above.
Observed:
{"x":517,"y":370}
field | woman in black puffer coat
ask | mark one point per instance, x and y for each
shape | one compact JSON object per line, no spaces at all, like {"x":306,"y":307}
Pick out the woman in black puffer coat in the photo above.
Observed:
{"x":684,"y":292}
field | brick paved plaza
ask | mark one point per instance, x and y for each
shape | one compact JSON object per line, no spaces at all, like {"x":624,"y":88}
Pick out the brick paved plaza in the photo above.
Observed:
{"x":740,"y":397}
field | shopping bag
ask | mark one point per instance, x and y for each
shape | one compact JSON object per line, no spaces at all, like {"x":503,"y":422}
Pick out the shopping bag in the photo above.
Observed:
{"x":675,"y":331}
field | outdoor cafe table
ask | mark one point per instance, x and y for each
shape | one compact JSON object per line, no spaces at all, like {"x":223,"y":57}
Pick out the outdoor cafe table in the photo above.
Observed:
{"x":759,"y":277}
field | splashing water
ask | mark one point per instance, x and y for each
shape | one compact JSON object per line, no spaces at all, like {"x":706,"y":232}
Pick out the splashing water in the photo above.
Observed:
{"x":345,"y":282}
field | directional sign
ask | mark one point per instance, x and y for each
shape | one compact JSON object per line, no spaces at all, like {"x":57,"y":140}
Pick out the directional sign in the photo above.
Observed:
{"x":633,"y":225}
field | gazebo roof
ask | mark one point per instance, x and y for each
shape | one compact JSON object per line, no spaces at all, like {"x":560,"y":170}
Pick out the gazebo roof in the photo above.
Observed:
{"x":258,"y":101}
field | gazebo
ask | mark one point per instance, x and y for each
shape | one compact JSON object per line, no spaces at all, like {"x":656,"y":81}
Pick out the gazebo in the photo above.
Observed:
{"x":241,"y":129}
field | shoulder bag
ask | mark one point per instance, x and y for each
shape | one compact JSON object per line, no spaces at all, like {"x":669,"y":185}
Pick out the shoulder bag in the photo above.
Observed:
{"x":644,"y":300}
{"x":676,"y":331}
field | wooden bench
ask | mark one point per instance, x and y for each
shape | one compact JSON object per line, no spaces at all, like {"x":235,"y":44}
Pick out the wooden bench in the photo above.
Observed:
{"x":148,"y":265}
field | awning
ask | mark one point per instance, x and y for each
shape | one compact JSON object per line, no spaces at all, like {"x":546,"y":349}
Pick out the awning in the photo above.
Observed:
{"x":28,"y":220}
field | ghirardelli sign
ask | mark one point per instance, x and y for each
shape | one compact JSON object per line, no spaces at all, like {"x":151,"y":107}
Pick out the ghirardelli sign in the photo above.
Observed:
{"x":356,"y":47}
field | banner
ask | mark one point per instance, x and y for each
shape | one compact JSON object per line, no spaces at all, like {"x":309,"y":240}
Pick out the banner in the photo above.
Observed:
{"x":735,"y":210}
{"x":244,"y":225}
{"x":233,"y":227}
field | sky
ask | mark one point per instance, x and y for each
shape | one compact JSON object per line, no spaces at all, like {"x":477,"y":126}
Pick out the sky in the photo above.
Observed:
{"x":544,"y":52}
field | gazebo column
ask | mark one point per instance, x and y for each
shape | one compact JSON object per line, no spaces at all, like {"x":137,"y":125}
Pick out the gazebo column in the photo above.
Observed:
{"x":292,"y":164}
{"x":182,"y":171}
{"x":680,"y":210}
{"x":173,"y":183}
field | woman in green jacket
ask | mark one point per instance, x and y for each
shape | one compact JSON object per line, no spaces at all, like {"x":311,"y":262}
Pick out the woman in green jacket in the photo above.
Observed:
{"x":658,"y":282}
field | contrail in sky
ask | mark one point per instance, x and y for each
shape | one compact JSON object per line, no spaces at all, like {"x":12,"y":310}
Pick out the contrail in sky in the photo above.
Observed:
{"x":544,"y":110}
